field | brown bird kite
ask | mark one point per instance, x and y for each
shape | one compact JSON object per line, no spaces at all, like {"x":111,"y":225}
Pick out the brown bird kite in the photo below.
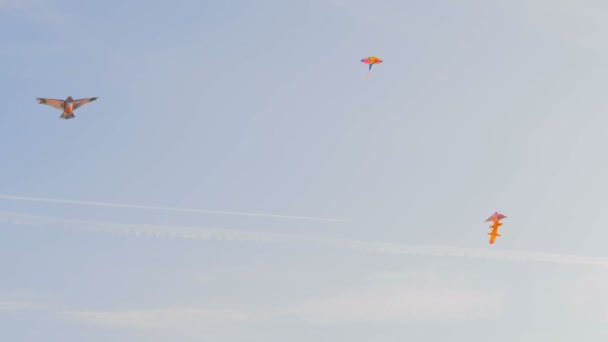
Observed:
{"x":68,"y":106}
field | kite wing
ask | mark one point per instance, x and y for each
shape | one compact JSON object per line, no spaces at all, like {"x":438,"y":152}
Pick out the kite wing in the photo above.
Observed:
{"x":51,"y":102}
{"x":496,"y":217}
{"x":372,"y":60}
{"x":82,"y":102}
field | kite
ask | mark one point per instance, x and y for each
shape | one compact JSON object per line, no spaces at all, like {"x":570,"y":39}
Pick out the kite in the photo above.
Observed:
{"x":371,"y":61}
{"x":495,"y":218}
{"x":68,"y":106}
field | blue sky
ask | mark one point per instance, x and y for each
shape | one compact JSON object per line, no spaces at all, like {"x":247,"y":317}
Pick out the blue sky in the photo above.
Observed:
{"x":262,"y":107}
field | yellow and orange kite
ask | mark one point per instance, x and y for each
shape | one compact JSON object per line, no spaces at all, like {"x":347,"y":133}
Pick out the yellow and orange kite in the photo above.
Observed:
{"x":495,"y":218}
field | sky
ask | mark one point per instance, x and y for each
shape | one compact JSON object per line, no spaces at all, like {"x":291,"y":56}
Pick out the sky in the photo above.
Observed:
{"x":262,"y":107}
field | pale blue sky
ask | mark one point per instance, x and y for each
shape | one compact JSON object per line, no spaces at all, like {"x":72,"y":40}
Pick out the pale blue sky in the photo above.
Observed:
{"x":262,"y":106}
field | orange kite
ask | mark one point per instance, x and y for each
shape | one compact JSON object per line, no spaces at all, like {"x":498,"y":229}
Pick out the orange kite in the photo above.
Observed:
{"x":495,"y":218}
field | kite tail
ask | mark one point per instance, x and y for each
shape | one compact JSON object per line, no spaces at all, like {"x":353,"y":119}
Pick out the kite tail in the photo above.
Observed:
{"x":368,"y":71}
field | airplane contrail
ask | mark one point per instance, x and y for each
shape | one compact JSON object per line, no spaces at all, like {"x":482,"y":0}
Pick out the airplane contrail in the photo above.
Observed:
{"x":136,"y":206}
{"x":242,"y":235}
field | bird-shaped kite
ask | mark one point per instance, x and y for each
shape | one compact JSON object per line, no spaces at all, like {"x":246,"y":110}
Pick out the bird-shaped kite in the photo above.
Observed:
{"x":495,"y":218}
{"x":371,"y":60}
{"x":68,"y":106}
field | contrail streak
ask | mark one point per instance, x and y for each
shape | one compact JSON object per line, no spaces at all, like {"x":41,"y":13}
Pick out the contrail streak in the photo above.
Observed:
{"x":136,"y":206}
{"x":241,"y":235}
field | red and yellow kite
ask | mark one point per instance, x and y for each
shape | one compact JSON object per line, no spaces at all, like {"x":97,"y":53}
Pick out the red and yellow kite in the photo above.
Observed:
{"x":495,"y":218}
{"x":371,"y":60}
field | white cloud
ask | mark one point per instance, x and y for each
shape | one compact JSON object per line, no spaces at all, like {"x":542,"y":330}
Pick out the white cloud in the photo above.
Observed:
{"x":419,"y":276}
{"x":405,"y":303}
{"x":241,"y":235}
{"x":155,"y":208}
{"x":15,"y":305}
{"x":406,"y":296}
{"x":163,"y":318}
{"x":157,"y":318}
